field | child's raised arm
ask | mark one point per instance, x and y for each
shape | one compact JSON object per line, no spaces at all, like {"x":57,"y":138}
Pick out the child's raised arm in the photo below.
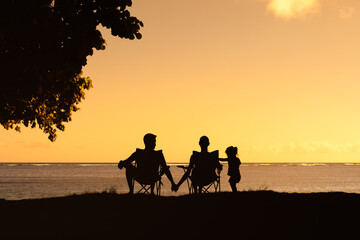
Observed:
{"x":223,"y":159}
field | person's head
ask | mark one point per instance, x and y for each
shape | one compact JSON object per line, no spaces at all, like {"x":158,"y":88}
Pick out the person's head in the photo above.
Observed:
{"x":231,"y":151}
{"x":204,"y":142}
{"x":150,"y":141}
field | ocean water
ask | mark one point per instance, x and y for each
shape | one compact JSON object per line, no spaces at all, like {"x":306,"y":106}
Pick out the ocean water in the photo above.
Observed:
{"x":24,"y":181}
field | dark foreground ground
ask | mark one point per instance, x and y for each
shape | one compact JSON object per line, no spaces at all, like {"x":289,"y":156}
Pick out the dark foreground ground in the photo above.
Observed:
{"x":245,"y":215}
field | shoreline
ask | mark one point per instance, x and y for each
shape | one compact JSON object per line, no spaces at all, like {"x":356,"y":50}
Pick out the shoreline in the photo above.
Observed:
{"x":253,"y":214}
{"x":186,"y":163}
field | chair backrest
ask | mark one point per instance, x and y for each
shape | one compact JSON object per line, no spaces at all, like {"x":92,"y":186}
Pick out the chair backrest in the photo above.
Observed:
{"x":146,"y":188}
{"x":205,"y":174}
{"x":148,"y":165}
{"x":205,"y":165}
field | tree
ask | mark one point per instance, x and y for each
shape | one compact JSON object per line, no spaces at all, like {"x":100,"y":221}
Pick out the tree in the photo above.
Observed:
{"x":43,"y":47}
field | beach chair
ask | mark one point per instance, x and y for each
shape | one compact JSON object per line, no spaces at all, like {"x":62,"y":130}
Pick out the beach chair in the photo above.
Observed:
{"x":146,"y":188}
{"x":215,"y":184}
{"x":204,"y":189}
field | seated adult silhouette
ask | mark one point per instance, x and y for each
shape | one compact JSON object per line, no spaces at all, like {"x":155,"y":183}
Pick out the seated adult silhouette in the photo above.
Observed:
{"x":148,"y":161}
{"x":202,"y":167}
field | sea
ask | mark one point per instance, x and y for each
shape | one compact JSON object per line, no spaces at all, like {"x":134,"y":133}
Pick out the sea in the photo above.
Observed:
{"x":47,"y":180}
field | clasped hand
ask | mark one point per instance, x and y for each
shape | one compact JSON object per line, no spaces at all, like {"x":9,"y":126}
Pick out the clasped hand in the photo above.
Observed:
{"x":121,"y":165}
{"x":174,"y":187}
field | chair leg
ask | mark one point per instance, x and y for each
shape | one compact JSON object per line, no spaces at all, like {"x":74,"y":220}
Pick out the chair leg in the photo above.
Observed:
{"x":194,"y":188}
{"x":191,"y":186}
{"x":152,"y":189}
{"x":152,"y":186}
{"x":206,"y":188}
{"x":131,"y":182}
{"x":144,"y":189}
{"x":158,"y":187}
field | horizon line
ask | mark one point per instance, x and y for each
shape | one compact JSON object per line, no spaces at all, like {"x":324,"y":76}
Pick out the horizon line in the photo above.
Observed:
{"x":179,"y":163}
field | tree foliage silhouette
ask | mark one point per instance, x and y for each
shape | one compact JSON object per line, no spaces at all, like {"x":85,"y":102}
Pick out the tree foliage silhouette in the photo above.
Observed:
{"x":43,"y":47}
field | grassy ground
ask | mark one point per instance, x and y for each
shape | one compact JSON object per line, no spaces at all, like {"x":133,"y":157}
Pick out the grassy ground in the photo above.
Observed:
{"x":244,"y":215}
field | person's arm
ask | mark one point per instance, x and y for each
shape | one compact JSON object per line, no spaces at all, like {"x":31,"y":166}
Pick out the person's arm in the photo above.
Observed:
{"x":168,"y":174}
{"x":127,"y":161}
{"x":166,"y":169}
{"x":187,"y":173}
{"x":223,"y":159}
{"x":217,"y":161}
{"x":219,"y":166}
{"x":184,"y":177}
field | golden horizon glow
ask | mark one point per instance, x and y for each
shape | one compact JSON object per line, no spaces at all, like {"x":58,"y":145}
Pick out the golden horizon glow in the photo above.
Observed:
{"x":280,"y":82}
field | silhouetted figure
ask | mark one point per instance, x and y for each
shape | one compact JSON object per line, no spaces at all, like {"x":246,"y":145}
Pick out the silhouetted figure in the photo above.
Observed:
{"x":233,"y":167}
{"x":202,"y":166}
{"x":147,"y":166}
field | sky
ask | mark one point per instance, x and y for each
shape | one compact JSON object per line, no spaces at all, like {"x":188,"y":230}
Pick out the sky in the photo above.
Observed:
{"x":279,"y":79}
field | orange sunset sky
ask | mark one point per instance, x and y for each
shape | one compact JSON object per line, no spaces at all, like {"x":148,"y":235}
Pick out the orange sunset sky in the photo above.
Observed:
{"x":279,"y":79}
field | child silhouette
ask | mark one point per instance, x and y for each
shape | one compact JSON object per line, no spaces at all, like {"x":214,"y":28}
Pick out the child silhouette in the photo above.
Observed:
{"x":233,"y":166}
